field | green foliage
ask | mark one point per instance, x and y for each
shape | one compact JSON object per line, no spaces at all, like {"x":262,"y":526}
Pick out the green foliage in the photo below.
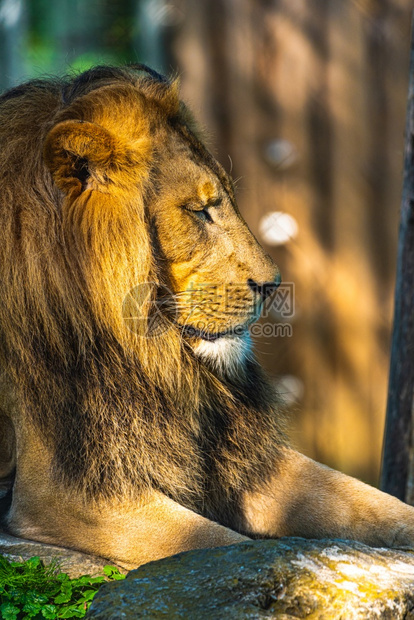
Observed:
{"x":31,"y":590}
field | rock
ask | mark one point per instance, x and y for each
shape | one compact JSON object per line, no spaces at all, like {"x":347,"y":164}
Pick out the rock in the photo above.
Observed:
{"x":71,"y":562}
{"x":286,"y":578}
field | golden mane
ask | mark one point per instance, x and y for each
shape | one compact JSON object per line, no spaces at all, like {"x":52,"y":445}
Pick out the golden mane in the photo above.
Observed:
{"x":114,"y":407}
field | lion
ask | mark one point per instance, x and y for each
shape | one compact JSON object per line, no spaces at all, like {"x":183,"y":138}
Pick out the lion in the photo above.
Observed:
{"x":135,"y":420}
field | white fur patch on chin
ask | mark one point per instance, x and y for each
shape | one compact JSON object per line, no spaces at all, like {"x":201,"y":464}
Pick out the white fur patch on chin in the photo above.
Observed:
{"x":226,"y":353}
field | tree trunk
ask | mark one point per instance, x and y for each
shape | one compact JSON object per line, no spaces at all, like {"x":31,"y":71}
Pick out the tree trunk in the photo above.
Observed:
{"x":398,"y":460}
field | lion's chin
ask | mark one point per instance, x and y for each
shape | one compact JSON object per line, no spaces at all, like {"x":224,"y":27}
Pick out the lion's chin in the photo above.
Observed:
{"x":226,"y":353}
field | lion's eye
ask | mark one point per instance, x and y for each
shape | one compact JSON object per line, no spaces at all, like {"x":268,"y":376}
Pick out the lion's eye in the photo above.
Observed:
{"x":202,"y":214}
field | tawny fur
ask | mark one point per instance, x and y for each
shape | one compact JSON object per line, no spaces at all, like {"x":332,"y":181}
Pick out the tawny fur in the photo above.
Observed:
{"x":125,"y":432}
{"x":116,"y":419}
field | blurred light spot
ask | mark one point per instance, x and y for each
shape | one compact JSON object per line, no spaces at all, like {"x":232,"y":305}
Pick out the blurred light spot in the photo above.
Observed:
{"x":291,"y":388}
{"x":277,"y":228}
{"x":281,"y":154}
{"x":164,"y":13}
{"x":10,"y":12}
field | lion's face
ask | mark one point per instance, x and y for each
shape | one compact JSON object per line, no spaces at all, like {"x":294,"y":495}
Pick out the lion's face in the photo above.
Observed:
{"x":216,"y":270}
{"x":207,"y":261}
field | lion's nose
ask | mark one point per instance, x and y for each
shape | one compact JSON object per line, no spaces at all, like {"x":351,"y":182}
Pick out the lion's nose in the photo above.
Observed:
{"x":266,"y":288}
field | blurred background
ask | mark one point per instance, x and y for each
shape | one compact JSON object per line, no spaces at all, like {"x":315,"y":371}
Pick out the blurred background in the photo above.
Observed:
{"x":304,"y":101}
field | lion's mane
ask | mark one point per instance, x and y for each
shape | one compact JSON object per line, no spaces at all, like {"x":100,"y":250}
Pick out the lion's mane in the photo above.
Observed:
{"x":119,"y":412}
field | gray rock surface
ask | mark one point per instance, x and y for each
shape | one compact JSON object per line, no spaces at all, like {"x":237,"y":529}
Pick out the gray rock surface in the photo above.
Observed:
{"x":286,"y":578}
{"x":71,"y":562}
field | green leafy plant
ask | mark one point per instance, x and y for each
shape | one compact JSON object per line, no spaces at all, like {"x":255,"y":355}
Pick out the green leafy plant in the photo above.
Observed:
{"x":31,"y":590}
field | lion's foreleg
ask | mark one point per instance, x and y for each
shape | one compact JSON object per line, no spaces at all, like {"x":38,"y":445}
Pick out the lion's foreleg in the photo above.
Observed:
{"x":128,"y":532}
{"x":305,"y":498}
{"x":163,"y":528}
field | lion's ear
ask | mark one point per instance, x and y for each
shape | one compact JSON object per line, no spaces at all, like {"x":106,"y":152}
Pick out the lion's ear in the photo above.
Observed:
{"x":77,"y":152}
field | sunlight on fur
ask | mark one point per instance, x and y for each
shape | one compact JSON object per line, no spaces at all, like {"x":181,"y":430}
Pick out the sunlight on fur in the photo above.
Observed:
{"x":115,"y":191}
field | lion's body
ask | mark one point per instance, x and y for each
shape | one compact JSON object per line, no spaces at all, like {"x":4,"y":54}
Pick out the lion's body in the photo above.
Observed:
{"x":109,"y":201}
